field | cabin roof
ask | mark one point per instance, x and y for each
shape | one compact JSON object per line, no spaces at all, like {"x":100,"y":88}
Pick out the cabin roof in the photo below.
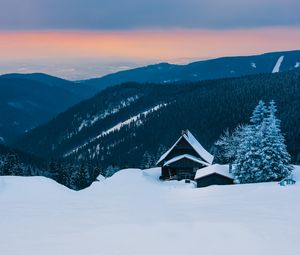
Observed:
{"x":289,"y":178}
{"x":196,"y":146}
{"x":215,"y":168}
{"x":187,"y":156}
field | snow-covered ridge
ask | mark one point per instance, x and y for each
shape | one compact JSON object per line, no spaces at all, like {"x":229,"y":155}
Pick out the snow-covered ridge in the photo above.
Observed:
{"x":278,"y":64}
{"x":137,"y":120}
{"x":90,"y":120}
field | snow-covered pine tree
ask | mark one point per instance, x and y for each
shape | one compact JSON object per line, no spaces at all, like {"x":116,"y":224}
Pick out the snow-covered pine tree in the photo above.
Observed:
{"x":147,"y":161}
{"x":248,"y":162}
{"x":262,"y":155}
{"x":276,"y":159}
{"x":161,"y":150}
{"x":12,"y":165}
{"x":111,"y":170}
{"x":1,"y":166}
{"x":52,"y":170}
{"x":80,"y":177}
{"x":75,"y":176}
{"x":228,"y":144}
{"x":221,"y":147}
{"x":259,"y":114}
{"x":64,"y":173}
{"x":249,"y":154}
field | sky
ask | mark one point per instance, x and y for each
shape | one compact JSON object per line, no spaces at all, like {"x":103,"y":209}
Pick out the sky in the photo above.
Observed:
{"x":78,"y":39}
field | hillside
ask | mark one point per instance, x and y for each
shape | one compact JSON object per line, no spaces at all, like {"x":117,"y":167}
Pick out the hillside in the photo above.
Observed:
{"x":30,"y":100}
{"x":203,"y":70}
{"x":156,"y":217}
{"x":123,"y":123}
{"x":27,"y":101}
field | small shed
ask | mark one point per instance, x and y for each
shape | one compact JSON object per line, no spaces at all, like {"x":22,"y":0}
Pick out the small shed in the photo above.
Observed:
{"x":100,"y":178}
{"x":214,"y":175}
{"x":287,"y":181}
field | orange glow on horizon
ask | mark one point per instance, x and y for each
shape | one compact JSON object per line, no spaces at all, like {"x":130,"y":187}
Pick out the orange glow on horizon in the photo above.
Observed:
{"x":150,"y":44}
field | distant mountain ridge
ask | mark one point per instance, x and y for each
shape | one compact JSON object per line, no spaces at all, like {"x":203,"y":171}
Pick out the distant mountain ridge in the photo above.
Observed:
{"x":52,"y":81}
{"x":224,"y":67}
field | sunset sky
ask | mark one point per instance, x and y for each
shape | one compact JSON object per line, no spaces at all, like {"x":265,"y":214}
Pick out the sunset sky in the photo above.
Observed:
{"x":89,"y":38}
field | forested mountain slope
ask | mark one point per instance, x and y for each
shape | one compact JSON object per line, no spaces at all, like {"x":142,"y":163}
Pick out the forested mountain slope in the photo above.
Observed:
{"x":125,"y":124}
{"x":29,"y":100}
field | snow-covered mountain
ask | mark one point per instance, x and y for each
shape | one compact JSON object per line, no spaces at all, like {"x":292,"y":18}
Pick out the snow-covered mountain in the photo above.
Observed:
{"x":39,"y":216}
{"x":122,"y":123}
{"x":204,"y":70}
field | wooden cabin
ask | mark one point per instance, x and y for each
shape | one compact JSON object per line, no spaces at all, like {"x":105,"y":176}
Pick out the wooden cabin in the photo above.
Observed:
{"x":214,"y":175}
{"x":184,"y":158}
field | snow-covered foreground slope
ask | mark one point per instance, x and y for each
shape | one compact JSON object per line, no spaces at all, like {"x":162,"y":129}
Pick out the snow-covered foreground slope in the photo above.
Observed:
{"x":134,"y":213}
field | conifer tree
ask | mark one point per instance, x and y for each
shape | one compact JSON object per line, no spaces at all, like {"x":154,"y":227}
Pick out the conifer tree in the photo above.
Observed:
{"x":259,"y":114}
{"x":276,"y":159}
{"x":227,"y":145}
{"x":80,"y":177}
{"x":11,"y":165}
{"x":111,"y":170}
{"x":262,"y":155}
{"x":248,"y":163}
{"x":161,"y":150}
{"x":148,"y":160}
{"x":249,"y":154}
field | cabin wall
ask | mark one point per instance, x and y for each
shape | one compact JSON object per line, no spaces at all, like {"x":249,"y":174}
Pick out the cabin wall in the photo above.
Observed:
{"x":213,"y":179}
{"x":182,"y":169}
{"x":178,"y":173}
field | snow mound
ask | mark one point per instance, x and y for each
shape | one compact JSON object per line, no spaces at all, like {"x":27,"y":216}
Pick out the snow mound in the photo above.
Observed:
{"x":133,"y":179}
{"x":28,"y":186}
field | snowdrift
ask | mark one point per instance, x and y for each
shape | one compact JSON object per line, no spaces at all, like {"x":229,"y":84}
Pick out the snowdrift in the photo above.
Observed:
{"x":135,"y":213}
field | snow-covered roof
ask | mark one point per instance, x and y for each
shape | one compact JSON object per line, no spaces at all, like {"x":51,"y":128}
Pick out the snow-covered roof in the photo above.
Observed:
{"x":290,"y":177}
{"x":215,"y":168}
{"x":100,"y":178}
{"x":193,"y":158}
{"x":195,"y":144}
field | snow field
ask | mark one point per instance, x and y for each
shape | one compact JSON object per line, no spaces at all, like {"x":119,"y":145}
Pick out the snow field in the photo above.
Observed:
{"x":134,"y":213}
